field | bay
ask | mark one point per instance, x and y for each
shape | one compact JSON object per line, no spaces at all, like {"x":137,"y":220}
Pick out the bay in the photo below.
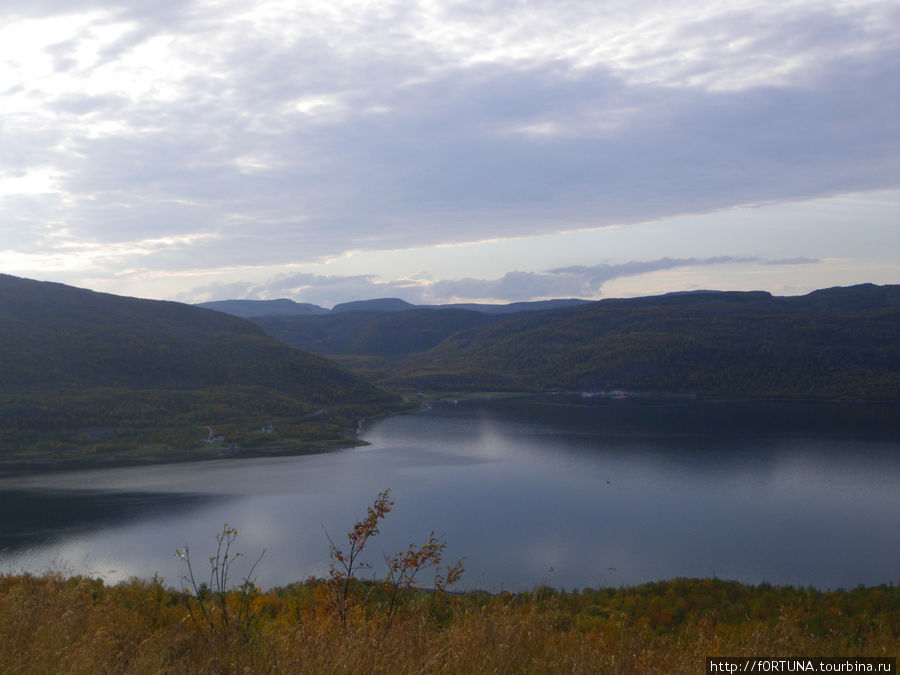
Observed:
{"x":554,"y":490}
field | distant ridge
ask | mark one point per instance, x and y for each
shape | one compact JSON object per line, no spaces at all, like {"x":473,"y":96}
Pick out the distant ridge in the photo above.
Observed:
{"x":377,"y":305}
{"x":513,"y":307}
{"x":832,"y":343}
{"x":252,"y":308}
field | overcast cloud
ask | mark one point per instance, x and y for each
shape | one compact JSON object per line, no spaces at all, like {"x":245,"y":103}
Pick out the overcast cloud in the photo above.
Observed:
{"x":144,"y":139}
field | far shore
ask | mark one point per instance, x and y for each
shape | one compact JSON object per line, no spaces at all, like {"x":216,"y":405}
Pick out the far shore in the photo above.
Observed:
{"x":72,"y":459}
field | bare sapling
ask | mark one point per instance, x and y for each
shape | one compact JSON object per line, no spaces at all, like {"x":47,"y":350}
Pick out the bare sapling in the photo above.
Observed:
{"x":214,"y":604}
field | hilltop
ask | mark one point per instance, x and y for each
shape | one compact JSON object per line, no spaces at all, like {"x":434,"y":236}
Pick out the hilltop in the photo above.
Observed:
{"x":250,"y":308}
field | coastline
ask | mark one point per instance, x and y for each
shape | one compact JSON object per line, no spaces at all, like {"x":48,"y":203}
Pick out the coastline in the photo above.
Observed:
{"x":23,"y":463}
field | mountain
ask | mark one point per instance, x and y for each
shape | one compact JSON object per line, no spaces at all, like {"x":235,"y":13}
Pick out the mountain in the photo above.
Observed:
{"x":73,"y":359}
{"x":398,"y":305}
{"x":833,"y":343}
{"x":378,"y":305}
{"x":259,"y":308}
{"x":252,"y":308}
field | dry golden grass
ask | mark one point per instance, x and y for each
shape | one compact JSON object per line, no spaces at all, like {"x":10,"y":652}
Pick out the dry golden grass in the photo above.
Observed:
{"x":53,"y":624}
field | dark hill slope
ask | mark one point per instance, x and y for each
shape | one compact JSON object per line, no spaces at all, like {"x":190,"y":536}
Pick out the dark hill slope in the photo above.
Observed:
{"x":834,"y":343}
{"x":384,"y":334}
{"x":75,"y":358}
{"x":55,"y":335}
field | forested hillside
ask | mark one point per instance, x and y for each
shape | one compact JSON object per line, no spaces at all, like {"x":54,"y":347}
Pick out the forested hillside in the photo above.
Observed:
{"x":834,"y":343}
{"x":73,"y":360}
{"x":385,"y":334}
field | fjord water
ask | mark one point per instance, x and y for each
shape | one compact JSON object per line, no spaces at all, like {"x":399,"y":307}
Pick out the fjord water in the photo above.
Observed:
{"x":559,"y":490}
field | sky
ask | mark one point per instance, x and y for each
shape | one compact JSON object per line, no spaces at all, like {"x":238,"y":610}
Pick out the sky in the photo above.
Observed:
{"x":449,"y":151}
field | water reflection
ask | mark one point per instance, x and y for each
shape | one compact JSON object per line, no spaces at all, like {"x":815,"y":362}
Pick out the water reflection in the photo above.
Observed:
{"x":42,"y":517}
{"x":529,"y":491}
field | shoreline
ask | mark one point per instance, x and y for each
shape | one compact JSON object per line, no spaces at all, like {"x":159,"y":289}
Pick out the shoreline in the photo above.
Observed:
{"x":23,"y":463}
{"x":18,"y":464}
{"x":433,"y":396}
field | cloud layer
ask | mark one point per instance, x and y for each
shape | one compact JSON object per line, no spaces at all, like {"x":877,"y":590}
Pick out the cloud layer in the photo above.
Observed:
{"x":172,"y":136}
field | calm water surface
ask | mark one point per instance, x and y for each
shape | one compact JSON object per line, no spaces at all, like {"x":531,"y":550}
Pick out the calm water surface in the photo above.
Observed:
{"x":551,"y":490}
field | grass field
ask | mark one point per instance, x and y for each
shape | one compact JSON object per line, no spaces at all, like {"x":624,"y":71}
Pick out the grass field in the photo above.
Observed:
{"x":54,"y":624}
